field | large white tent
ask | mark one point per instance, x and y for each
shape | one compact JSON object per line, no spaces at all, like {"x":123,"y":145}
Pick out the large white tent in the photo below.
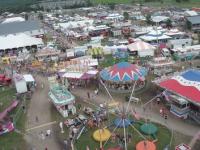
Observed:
{"x":19,"y":40}
{"x":13,"y":19}
{"x":154,"y":36}
{"x":144,"y":49}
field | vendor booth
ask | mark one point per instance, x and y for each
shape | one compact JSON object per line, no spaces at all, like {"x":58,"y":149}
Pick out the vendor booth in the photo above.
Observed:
{"x":47,"y":54}
{"x":121,"y":77}
{"x":161,"y":66}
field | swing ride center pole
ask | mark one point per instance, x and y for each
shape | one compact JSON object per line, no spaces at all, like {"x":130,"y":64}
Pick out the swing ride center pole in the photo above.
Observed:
{"x":125,"y":144}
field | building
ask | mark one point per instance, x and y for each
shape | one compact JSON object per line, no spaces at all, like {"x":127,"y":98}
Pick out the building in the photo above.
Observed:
{"x":31,"y":28}
{"x":195,"y":22}
{"x":179,"y":43}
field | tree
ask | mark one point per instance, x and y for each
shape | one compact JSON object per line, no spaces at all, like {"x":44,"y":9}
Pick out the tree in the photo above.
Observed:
{"x":40,"y":16}
{"x":89,"y":3}
{"x":126,"y":15}
{"x":148,"y":19}
{"x":199,"y":37}
{"x":112,"y":6}
{"x":26,"y":17}
{"x":178,"y":1}
{"x":169,"y":23}
{"x":188,"y":25}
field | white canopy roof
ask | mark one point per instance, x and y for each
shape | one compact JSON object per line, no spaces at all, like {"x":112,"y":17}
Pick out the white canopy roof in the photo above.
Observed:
{"x":154,"y":35}
{"x":28,"y":78}
{"x":72,"y":75}
{"x":159,"y":18}
{"x":140,"y":46}
{"x":13,"y":19}
{"x":19,"y":40}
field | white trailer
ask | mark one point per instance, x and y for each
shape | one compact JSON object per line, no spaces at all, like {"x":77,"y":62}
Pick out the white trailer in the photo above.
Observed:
{"x":20,"y":84}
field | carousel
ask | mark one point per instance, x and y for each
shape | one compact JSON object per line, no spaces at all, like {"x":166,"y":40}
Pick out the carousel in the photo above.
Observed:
{"x":122,"y":76}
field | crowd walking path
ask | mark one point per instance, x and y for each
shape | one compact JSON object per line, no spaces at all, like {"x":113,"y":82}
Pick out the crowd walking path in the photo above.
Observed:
{"x":39,"y":119}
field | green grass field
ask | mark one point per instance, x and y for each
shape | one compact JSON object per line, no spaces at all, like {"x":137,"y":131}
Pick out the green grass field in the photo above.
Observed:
{"x":163,"y":136}
{"x":169,"y":3}
{"x":12,"y":140}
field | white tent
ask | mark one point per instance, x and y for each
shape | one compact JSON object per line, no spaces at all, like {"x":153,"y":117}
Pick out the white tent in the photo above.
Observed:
{"x":19,"y":40}
{"x":28,"y":78}
{"x":13,"y":19}
{"x":143,"y":48}
{"x":154,"y":35}
{"x":159,"y":18}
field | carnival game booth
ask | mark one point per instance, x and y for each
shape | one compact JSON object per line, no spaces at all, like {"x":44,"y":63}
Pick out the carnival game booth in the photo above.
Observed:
{"x":161,"y":65}
{"x":47,"y":54}
{"x":121,"y":77}
{"x":182,"y":91}
{"x":141,"y":49}
{"x":63,"y":100}
{"x":79,"y":75}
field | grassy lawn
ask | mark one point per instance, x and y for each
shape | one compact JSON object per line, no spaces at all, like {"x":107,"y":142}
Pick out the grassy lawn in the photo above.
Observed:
{"x":112,"y":1}
{"x":163,"y":136}
{"x":12,"y":140}
{"x":190,"y":3}
{"x":7,"y":95}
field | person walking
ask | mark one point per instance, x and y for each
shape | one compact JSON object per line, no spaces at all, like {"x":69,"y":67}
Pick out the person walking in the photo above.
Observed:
{"x":36,"y":119}
{"x":88,"y":94}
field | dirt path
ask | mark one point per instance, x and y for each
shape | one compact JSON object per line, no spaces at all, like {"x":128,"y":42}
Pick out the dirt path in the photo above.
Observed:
{"x":40,"y":106}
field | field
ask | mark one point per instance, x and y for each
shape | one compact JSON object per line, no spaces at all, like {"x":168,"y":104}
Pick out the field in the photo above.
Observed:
{"x":163,"y":136}
{"x":169,"y":3}
{"x":11,"y":140}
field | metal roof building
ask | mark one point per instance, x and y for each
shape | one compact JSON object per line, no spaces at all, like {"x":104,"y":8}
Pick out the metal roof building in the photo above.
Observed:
{"x":20,"y":27}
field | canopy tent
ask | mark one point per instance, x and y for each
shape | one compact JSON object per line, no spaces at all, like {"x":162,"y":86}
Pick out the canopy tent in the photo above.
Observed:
{"x":13,"y":19}
{"x":158,"y":19}
{"x":96,"y":51}
{"x":123,"y":72}
{"x":139,"y":46}
{"x":28,"y":78}
{"x":79,"y":75}
{"x":185,"y":84}
{"x":144,"y":49}
{"x":19,"y":40}
{"x":154,"y":35}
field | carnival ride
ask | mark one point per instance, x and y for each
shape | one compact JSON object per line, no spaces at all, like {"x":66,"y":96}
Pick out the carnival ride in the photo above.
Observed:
{"x":121,"y":76}
{"x":4,"y":80}
{"x":6,"y":125}
{"x":124,"y":121}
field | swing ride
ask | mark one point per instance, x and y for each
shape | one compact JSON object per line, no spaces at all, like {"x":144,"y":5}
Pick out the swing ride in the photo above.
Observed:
{"x":123,"y":126}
